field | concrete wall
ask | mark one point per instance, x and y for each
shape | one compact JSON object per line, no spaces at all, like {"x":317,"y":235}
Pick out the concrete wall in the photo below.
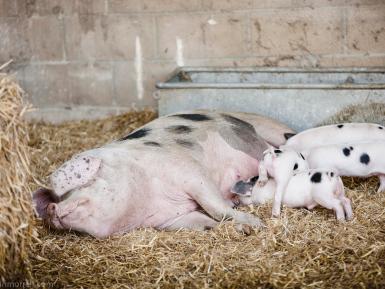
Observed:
{"x":98,"y":56}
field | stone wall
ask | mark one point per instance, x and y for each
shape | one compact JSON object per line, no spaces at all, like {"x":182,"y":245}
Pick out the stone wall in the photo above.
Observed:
{"x":98,"y":56}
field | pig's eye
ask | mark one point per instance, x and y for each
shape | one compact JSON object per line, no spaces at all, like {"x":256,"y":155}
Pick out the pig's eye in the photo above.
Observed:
{"x":332,"y":174}
{"x":295,"y":166}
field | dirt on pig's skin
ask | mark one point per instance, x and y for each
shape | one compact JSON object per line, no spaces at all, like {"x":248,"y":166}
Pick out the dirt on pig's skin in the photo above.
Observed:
{"x":301,"y":248}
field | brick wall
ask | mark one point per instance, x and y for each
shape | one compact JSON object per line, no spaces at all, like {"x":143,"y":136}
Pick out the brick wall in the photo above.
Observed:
{"x":89,"y":53}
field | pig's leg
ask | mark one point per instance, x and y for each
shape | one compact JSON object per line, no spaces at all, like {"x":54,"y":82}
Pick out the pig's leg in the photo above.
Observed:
{"x":330,"y":203}
{"x":206,"y":194}
{"x":278,"y":195}
{"x":382,"y":184}
{"x":340,"y":192}
{"x":194,"y":221}
{"x":347,"y":207}
{"x":262,"y":175}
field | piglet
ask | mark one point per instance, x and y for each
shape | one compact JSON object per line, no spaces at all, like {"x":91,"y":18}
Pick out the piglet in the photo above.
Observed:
{"x":357,"y":160}
{"x":280,"y":164}
{"x":305,"y":189}
{"x":336,"y":134}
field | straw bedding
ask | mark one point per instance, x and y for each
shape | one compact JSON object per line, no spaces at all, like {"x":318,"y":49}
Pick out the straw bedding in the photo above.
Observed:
{"x":369,"y":112}
{"x":302,"y":248}
{"x":16,"y":234}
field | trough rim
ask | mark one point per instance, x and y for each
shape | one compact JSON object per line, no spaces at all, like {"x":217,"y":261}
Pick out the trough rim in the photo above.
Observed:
{"x":168,"y":84}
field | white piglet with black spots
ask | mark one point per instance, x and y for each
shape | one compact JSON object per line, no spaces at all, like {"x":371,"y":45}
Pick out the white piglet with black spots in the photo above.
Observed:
{"x":357,"y":160}
{"x":280,"y":164}
{"x":336,"y":134}
{"x":305,"y":189}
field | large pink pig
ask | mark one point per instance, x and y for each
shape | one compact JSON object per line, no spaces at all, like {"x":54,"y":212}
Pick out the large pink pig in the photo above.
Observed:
{"x":175,"y":172}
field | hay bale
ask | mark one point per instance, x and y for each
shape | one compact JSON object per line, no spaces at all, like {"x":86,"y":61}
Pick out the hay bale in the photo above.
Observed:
{"x":371,"y":112}
{"x":301,"y":249}
{"x":16,"y":227}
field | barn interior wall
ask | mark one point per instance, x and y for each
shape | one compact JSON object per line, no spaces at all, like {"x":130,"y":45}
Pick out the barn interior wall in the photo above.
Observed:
{"x":106,"y":55}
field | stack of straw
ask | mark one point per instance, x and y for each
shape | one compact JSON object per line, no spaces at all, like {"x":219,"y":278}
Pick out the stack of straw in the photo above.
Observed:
{"x":16,"y":231}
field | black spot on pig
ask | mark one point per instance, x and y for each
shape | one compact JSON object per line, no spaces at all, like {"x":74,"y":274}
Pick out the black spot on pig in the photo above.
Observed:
{"x":332,"y":174}
{"x":185,"y":143}
{"x":179,"y":129}
{"x":302,"y":156}
{"x":242,"y":136}
{"x":277,"y":151}
{"x":241,"y":128}
{"x":340,"y":126}
{"x":238,"y":122}
{"x":364,"y":158}
{"x":288,"y":135}
{"x":194,"y":116}
{"x":136,"y":134}
{"x":152,"y":143}
{"x":346,"y":152}
{"x":295,"y":166}
{"x":351,"y":148}
{"x":316,"y":177}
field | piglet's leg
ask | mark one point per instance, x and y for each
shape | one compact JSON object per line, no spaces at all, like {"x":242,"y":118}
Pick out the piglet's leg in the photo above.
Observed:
{"x":345,"y":201}
{"x":330,"y":203}
{"x":382,"y":184}
{"x":262,"y":175}
{"x":194,"y":221}
{"x":281,"y":187}
{"x":347,"y":207}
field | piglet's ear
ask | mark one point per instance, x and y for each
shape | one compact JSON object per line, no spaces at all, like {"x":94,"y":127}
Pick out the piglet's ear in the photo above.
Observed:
{"x":242,"y":188}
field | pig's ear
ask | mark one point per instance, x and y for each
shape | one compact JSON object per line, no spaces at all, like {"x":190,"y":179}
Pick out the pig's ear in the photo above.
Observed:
{"x":242,"y":188}
{"x":75,"y":173}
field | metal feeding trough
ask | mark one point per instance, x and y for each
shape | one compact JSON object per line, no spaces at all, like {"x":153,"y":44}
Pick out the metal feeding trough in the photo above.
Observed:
{"x":301,"y":98}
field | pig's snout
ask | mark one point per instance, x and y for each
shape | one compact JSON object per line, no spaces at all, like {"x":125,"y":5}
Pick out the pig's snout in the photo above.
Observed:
{"x":53,"y":216}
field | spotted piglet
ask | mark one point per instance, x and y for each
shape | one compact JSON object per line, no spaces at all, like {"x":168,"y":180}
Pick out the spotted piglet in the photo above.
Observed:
{"x":305,"y":189}
{"x":357,"y":160}
{"x":336,"y":134}
{"x":280,"y":164}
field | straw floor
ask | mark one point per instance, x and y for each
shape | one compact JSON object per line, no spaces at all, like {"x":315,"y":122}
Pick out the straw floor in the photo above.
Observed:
{"x":302,"y":248}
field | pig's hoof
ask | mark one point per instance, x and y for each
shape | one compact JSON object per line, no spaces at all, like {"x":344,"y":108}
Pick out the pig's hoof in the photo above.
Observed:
{"x":276,"y":210}
{"x":275,"y":214}
{"x":256,"y":223}
{"x":261,"y":183}
{"x":244,"y":229}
